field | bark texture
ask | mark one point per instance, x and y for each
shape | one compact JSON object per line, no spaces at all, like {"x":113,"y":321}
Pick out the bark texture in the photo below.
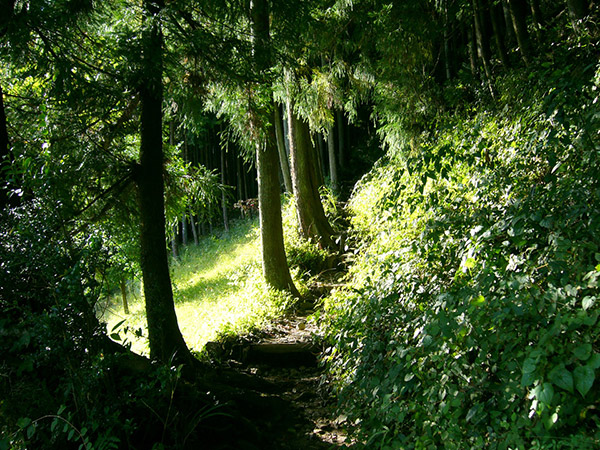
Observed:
{"x":284,"y":160}
{"x":311,"y":216}
{"x":275,"y":267}
{"x":482,"y":39}
{"x":333,"y":172}
{"x":341,"y":139}
{"x":166,"y":341}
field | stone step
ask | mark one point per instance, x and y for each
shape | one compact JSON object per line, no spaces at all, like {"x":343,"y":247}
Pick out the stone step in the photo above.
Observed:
{"x":295,"y":354}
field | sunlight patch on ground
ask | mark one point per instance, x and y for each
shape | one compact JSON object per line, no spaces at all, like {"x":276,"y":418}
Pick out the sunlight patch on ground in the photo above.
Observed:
{"x":215,"y":287}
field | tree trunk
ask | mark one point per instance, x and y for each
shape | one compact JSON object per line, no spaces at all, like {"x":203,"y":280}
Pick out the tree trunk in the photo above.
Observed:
{"x":166,"y":341}
{"x":123,"y":287}
{"x":283,"y":157}
{"x":341,"y":139}
{"x":223,"y":197}
{"x":578,"y":9}
{"x":472,"y":49}
{"x":4,"y":153}
{"x":538,"y":19}
{"x":275,"y":267}
{"x":311,"y":217}
{"x":332,"y":161}
{"x":319,"y":157}
{"x":174,"y":252}
{"x":500,"y":47}
{"x":239,"y":170}
{"x":518,"y":15}
{"x":510,"y":31}
{"x":447,"y":42}
{"x":184,"y":230}
{"x":193,"y":226}
{"x":483,"y":43}
{"x":245,"y":183}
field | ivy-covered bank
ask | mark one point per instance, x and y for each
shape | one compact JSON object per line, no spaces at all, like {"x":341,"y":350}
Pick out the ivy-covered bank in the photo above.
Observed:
{"x":471,"y":320}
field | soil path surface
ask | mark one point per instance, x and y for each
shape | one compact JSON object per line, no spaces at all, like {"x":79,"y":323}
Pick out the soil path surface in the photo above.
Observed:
{"x":283,"y":363}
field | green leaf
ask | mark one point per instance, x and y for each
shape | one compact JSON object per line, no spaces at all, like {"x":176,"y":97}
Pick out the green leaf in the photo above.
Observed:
{"x":561,"y":377}
{"x":589,"y":320}
{"x":529,"y":365}
{"x":594,"y":361}
{"x":583,"y":352}
{"x":527,"y":379}
{"x":588,"y":302}
{"x":546,"y":393}
{"x":25,"y":366}
{"x":480,"y":300}
{"x":3,"y":444}
{"x":118,"y":325}
{"x":23,"y":422}
{"x":115,"y":336}
{"x":472,"y":412}
{"x":584,"y":379}
{"x":30,"y":431}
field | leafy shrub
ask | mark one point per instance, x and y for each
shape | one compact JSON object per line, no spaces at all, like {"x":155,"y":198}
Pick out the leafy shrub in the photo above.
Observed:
{"x":49,"y":335}
{"x":472,"y":321}
{"x":301,"y":253}
{"x":63,"y":384}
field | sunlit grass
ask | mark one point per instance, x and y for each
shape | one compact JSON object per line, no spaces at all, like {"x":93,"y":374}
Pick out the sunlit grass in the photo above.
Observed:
{"x":217,"y":288}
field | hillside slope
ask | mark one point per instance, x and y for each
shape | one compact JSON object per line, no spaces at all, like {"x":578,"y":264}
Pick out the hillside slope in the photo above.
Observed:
{"x":471,"y":320}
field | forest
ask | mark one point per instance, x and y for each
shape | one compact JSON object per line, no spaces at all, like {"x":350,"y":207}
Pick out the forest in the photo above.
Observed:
{"x":310,"y":224}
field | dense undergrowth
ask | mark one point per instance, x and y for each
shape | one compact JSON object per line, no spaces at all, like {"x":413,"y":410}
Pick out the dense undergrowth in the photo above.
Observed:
{"x":471,"y":319}
{"x":63,"y":384}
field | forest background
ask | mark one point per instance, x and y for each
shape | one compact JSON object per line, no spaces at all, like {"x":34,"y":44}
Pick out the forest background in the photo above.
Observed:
{"x":469,"y":313}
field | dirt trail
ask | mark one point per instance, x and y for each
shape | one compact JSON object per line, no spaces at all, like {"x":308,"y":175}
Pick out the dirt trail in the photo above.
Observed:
{"x":284,"y":361}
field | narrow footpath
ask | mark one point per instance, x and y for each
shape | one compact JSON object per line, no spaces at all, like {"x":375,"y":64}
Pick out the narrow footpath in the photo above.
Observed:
{"x":283,"y":360}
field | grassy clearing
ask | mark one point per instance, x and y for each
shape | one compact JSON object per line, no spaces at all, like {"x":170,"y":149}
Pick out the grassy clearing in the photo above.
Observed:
{"x":218,"y":289}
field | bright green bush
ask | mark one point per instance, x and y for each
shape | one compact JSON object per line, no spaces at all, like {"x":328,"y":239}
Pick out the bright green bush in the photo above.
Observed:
{"x":472,"y":321}
{"x":303,"y":254}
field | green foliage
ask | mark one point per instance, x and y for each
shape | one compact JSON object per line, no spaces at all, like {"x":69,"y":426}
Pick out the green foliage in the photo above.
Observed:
{"x":472,"y":318}
{"x":50,"y":339}
{"x":304,"y":254}
{"x":63,"y":384}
